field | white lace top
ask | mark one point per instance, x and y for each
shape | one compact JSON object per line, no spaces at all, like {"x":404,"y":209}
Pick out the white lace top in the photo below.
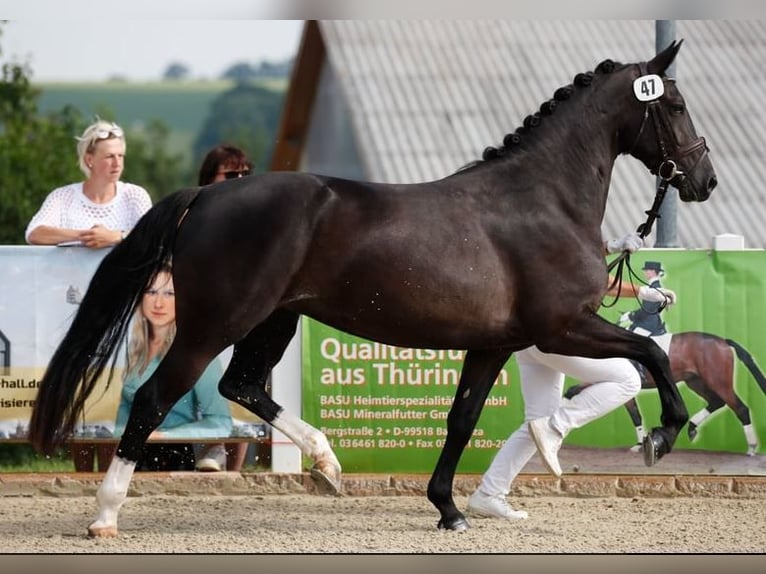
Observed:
{"x":68,"y":208}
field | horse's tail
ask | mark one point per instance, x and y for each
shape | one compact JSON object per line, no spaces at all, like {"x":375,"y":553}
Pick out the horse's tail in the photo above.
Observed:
{"x":101,"y":321}
{"x":744,"y":356}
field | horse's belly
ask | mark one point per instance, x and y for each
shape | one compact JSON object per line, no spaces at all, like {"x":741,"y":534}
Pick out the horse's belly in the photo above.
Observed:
{"x":427,"y":326}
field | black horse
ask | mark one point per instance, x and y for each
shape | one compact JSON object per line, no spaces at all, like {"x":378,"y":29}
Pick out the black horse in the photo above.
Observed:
{"x":473,"y":261}
{"x":706,"y":363}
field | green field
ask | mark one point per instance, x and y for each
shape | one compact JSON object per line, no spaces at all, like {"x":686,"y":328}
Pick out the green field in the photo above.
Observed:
{"x":183,"y":105}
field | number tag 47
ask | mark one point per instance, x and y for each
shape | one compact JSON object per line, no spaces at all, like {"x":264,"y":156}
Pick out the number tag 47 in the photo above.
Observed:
{"x":648,"y":88}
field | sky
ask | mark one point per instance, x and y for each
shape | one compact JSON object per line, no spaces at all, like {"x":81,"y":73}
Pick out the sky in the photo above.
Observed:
{"x":140,"y":49}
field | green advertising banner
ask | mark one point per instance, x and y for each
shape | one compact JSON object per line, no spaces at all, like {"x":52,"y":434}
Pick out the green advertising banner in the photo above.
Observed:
{"x":384,"y":408}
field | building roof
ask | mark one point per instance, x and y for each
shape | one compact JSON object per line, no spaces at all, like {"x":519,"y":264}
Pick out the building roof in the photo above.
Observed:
{"x":426,"y":97}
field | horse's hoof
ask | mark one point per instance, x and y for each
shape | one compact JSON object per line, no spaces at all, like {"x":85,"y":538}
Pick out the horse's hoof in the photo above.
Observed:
{"x":653,"y":448}
{"x":692,"y":431}
{"x":458,"y":524}
{"x":326,"y":480}
{"x":636,"y":448}
{"x":102,"y":532}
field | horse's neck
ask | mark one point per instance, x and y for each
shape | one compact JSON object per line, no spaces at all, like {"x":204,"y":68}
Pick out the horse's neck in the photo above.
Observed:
{"x":566,"y":166}
{"x":567,"y":160}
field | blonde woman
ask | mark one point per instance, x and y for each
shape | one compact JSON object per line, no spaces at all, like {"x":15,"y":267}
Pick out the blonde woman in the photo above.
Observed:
{"x":99,"y":211}
{"x":200,"y":413}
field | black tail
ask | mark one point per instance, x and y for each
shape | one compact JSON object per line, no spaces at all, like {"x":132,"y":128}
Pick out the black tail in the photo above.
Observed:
{"x":102,"y":320}
{"x":744,"y":356}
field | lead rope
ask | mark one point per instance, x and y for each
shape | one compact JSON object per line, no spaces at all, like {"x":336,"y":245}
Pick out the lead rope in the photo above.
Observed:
{"x":622,"y":261}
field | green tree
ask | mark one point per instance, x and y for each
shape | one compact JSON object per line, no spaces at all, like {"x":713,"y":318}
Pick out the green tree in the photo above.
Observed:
{"x":176,"y":71}
{"x":38,"y":152}
{"x":240,"y":72}
{"x":149,"y":164}
{"x":246,"y":116}
{"x":31,"y":158}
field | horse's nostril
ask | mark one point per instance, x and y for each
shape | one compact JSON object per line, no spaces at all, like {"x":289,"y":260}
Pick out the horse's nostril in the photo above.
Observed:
{"x":712,"y":183}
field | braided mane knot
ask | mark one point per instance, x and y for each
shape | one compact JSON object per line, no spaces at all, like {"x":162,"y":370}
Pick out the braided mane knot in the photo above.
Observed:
{"x":513,"y":140}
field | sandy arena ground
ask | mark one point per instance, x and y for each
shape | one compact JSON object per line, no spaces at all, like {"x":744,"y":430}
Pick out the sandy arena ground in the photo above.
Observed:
{"x":309,"y":523}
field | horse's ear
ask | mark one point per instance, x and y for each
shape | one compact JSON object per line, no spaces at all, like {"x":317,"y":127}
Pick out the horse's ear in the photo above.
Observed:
{"x":661,"y":61}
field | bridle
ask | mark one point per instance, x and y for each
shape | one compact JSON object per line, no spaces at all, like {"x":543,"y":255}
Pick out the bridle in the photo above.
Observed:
{"x":667,"y":171}
{"x":671,"y":151}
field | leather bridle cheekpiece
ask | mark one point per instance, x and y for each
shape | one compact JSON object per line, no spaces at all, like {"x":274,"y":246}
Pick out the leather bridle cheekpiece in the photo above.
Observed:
{"x":667,"y":169}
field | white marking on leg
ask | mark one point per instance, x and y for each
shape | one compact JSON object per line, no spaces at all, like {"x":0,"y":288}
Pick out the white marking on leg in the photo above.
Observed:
{"x":312,"y":442}
{"x":110,"y":496}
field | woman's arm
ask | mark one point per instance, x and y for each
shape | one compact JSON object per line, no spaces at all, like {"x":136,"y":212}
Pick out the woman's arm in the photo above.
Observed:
{"x":47,"y":235}
{"x":215,"y":417}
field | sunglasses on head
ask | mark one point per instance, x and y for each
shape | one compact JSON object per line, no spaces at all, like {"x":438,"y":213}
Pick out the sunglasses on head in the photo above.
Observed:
{"x":233,"y":174}
{"x":115,"y":131}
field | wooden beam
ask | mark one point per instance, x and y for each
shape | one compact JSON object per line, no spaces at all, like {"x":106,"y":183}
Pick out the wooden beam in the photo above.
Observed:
{"x":299,"y":100}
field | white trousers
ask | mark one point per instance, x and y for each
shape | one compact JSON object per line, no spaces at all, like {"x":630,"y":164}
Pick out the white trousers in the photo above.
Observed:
{"x":542,"y":382}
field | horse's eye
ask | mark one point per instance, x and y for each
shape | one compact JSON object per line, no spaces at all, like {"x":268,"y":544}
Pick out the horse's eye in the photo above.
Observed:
{"x":677,"y":109}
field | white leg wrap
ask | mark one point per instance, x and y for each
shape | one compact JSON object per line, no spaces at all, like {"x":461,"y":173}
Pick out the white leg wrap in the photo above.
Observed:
{"x":110,"y":496}
{"x":699,"y":417}
{"x":640,"y":434}
{"x":752,"y":439}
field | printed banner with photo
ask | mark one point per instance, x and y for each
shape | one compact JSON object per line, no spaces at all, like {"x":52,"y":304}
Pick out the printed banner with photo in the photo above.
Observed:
{"x":40,"y":289}
{"x":384,"y":408}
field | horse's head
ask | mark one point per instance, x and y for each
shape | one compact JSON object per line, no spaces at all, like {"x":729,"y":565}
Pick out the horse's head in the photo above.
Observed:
{"x":665,"y":139}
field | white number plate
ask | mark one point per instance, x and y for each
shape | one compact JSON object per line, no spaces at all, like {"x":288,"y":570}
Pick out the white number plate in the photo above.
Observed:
{"x":648,"y":88}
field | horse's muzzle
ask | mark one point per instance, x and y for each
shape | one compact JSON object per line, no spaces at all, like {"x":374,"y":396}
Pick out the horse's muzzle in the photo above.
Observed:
{"x":687,"y":191}
{"x":698,"y":181}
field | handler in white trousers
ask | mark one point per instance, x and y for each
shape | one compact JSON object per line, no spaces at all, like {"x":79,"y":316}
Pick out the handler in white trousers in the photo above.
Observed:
{"x":548,"y":418}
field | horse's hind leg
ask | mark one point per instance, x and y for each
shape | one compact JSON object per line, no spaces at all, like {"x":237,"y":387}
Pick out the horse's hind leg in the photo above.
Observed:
{"x":175,"y":375}
{"x":480,"y":370}
{"x":716,"y":399}
{"x":110,"y":496}
{"x":244,"y":382}
{"x":714,"y":402}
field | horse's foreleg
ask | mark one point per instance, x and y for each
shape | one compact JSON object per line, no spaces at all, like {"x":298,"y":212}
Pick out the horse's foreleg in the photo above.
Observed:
{"x":245,"y":383}
{"x":593,"y":336}
{"x":480,"y":370}
{"x":674,"y":414}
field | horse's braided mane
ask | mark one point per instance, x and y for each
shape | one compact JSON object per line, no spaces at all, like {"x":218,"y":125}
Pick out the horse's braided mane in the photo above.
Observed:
{"x":511,"y":141}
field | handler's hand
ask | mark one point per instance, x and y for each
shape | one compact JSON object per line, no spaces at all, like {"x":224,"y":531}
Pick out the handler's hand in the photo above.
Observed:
{"x":630,"y":243}
{"x":657,"y":295}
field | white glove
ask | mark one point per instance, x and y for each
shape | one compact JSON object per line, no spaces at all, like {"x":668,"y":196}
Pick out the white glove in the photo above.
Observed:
{"x":657,"y":295}
{"x":630,"y":243}
{"x":624,"y":318}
